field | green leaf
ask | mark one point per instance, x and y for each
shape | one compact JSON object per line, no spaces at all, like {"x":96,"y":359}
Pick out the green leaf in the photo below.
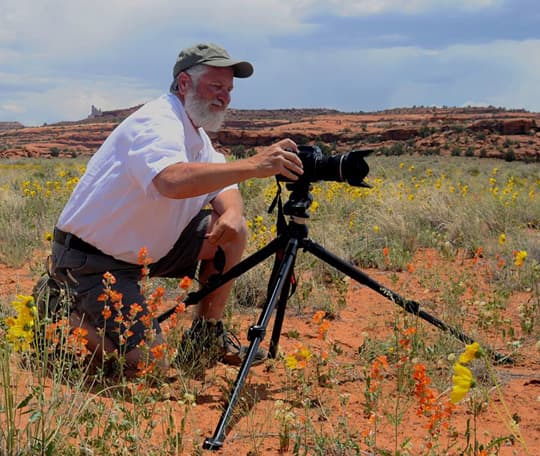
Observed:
{"x":35,"y":416}
{"x":25,"y":401}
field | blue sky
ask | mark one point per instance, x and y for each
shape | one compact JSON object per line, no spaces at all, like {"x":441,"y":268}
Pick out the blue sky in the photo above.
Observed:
{"x":58,"y":57}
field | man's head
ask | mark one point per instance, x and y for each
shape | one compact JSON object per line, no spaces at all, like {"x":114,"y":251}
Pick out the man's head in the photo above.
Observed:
{"x":203,"y":79}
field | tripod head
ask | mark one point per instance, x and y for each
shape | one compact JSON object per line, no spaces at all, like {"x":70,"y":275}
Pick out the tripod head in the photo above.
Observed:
{"x":299,"y":201}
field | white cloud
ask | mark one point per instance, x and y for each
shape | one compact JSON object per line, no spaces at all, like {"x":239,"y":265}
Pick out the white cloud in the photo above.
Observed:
{"x":72,"y":99}
{"x":500,"y":73}
{"x":70,"y":27}
{"x":367,"y":7}
{"x":62,"y":28}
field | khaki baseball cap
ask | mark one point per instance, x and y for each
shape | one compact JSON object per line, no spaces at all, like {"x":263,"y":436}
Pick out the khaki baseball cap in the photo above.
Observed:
{"x":208,"y":54}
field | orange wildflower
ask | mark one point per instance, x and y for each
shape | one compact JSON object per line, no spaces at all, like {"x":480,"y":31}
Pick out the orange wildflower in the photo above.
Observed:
{"x":386,"y":255}
{"x":318,"y":317}
{"x":409,"y":331}
{"x":411,"y":268}
{"x":143,"y":258}
{"x":55,"y":330}
{"x":159,"y":293}
{"x":115,"y":296}
{"x":323,"y":329}
{"x":155,"y":300}
{"x":109,"y":278}
{"x":77,"y":341}
{"x":478,"y":254}
{"x":158,"y":351}
{"x":185,"y":283}
{"x":106,"y":312}
{"x":180,"y":308}
{"x":381,"y":362}
{"x":134,"y":309}
{"x":146,"y":320}
{"x":145,"y":369}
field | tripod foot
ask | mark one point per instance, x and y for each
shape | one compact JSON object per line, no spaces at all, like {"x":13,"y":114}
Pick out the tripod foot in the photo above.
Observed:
{"x":212,"y":444}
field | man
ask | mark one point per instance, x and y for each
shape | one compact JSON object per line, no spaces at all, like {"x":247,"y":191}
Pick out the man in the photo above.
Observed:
{"x":146,"y":187}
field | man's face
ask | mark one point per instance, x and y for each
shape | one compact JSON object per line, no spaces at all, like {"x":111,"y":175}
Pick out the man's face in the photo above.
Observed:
{"x":206,"y":99}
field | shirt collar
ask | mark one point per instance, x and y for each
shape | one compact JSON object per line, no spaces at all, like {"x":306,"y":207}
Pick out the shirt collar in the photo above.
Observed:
{"x":194,"y":141}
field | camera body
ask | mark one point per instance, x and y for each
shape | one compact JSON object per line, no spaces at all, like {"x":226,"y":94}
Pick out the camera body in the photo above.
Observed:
{"x":350,"y":167}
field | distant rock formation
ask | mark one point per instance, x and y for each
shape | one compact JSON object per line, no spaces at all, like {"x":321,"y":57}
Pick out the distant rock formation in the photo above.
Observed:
{"x":506,"y":127}
{"x":491,"y":133}
{"x":4,"y":126}
{"x":95,"y":112}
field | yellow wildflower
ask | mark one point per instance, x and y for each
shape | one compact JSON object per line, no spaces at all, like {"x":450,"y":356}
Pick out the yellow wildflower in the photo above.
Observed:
{"x":291,"y":362}
{"x":502,"y":239}
{"x":519,"y":257}
{"x":20,"y":331}
{"x":463,"y":381}
{"x":471,"y":352}
{"x":298,"y":360}
{"x":26,"y":308}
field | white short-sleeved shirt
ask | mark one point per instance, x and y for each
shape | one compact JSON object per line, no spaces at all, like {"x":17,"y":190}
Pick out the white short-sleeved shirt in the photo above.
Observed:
{"x":115,"y":206}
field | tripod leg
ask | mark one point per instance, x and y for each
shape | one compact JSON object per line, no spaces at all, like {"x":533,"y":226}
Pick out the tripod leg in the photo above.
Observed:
{"x":215,"y":282}
{"x":282,"y":303}
{"x":277,"y":294}
{"x":410,"y":306}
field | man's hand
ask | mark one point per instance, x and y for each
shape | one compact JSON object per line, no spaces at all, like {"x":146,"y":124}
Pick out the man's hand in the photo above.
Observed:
{"x":279,"y":158}
{"x":227,"y":227}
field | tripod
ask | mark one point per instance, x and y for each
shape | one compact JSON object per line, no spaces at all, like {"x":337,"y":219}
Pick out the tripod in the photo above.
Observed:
{"x":291,"y":237}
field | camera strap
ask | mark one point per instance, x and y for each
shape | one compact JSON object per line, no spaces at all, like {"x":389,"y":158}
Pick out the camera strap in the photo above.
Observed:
{"x":281,"y":223}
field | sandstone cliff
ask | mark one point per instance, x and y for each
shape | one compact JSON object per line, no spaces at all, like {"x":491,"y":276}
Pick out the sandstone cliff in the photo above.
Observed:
{"x":486,"y":132}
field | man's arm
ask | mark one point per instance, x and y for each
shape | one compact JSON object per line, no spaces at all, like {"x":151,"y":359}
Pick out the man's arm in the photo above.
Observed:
{"x":185,"y":180}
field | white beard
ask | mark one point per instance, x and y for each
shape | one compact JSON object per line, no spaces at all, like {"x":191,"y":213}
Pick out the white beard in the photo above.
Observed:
{"x":200,"y":114}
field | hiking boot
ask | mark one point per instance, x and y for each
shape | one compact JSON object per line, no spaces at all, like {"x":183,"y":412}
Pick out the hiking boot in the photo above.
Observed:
{"x":208,"y":342}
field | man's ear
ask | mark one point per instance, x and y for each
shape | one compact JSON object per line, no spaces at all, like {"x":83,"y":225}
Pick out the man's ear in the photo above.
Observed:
{"x":184,"y":83}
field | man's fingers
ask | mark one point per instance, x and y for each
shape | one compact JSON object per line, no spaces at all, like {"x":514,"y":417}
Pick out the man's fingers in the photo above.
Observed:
{"x":214,"y":235}
{"x":297,"y":165}
{"x":288,"y":144}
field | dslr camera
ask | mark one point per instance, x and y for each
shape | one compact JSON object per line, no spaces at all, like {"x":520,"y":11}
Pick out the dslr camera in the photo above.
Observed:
{"x":350,"y":167}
